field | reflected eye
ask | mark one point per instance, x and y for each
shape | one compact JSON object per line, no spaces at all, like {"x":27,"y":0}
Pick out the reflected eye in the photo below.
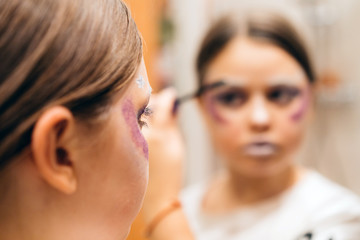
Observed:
{"x":143,"y":116}
{"x":232,"y":98}
{"x":283,"y":95}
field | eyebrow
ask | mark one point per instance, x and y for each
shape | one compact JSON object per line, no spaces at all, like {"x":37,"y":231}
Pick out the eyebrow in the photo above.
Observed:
{"x":235,"y":84}
{"x":233,"y":81}
{"x":285,"y":79}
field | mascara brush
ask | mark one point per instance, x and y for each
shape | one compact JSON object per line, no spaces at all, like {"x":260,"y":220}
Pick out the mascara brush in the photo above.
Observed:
{"x":196,"y":94}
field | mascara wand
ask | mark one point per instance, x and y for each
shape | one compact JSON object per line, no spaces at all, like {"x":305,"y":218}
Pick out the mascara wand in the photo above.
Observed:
{"x":196,"y":94}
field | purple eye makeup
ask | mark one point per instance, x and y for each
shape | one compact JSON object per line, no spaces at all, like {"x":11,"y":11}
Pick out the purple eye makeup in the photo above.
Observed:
{"x":223,"y":98}
{"x":132,"y":120}
{"x":298,"y":115}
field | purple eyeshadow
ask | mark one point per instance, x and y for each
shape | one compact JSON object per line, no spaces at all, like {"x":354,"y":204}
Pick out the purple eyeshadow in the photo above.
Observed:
{"x":298,"y":115}
{"x":210,"y":105}
{"x":130,"y":117}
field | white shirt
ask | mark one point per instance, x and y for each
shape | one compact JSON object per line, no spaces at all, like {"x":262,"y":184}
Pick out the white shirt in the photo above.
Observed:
{"x":315,"y":205}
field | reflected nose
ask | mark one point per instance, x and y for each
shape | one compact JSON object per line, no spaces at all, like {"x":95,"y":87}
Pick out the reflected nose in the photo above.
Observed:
{"x":260,"y":115}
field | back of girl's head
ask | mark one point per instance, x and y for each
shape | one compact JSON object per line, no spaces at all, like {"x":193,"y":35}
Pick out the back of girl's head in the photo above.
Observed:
{"x":255,"y":25}
{"x":61,"y":52}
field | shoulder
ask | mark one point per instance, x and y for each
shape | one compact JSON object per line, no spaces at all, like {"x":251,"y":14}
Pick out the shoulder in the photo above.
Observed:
{"x":319,"y":190}
{"x":332,"y":208}
{"x":191,"y":199}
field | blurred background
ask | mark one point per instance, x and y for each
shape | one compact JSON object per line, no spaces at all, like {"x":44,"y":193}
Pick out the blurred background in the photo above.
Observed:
{"x":172,"y":30}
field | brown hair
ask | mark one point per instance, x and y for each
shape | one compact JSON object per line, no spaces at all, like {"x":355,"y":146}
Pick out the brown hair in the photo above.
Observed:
{"x":257,"y":25}
{"x":61,"y":52}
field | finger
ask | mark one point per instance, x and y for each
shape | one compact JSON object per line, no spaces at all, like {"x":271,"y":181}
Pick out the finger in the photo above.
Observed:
{"x":162,"y":105}
{"x":167,"y":98}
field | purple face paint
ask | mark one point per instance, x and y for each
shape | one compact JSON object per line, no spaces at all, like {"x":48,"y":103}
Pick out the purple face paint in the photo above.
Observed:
{"x":131,"y":120}
{"x":298,"y":115}
{"x":210,"y":105}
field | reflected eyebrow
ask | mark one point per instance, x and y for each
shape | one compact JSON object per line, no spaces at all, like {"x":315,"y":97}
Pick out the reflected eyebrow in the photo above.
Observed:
{"x":233,"y":84}
{"x":197,"y":93}
{"x":232,"y":81}
{"x":285,"y":79}
{"x":207,"y":87}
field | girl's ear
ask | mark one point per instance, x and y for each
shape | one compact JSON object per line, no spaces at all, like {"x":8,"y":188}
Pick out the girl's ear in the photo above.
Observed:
{"x":51,"y":151}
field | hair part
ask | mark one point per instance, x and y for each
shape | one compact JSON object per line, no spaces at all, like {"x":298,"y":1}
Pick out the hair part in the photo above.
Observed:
{"x":256,"y":25}
{"x":77,"y":54}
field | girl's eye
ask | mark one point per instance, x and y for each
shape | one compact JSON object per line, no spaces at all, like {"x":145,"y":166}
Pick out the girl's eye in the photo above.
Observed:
{"x":283,"y":95}
{"x":143,"y":116}
{"x":231,"y":98}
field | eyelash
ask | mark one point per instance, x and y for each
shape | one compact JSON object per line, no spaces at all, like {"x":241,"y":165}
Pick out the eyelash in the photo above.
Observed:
{"x":281,"y":95}
{"x":143,"y":116}
{"x":232,"y":98}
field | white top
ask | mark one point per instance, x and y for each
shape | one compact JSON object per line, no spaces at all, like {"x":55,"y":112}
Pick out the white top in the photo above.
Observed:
{"x":314,"y":205}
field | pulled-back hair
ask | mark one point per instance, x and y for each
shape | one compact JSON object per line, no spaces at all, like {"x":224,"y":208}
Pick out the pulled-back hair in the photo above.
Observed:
{"x":74,"y":53}
{"x":257,"y":25}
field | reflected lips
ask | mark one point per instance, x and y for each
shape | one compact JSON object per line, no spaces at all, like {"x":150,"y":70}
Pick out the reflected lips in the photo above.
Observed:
{"x":260,"y":149}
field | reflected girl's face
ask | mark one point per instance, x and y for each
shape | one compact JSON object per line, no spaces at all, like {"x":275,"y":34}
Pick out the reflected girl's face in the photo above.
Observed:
{"x":257,"y":117}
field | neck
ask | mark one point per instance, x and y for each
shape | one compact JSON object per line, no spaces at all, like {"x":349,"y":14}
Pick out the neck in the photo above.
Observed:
{"x":26,"y":211}
{"x":20,"y":212}
{"x":30,"y":209}
{"x":249,"y":190}
{"x":13,"y":224}
{"x":23,"y":218}
{"x":233,"y":190}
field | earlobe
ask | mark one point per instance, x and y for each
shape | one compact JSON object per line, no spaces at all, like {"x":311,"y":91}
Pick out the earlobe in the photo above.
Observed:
{"x":51,"y":149}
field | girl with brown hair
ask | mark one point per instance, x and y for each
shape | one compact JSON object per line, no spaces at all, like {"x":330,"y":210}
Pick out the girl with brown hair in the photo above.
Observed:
{"x":73,"y":95}
{"x":256,"y":93}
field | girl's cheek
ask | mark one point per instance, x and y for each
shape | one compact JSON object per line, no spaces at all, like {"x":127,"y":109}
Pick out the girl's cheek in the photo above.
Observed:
{"x":213,"y":111}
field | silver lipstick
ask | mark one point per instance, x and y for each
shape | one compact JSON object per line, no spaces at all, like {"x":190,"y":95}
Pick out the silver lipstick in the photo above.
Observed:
{"x":260,"y":149}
